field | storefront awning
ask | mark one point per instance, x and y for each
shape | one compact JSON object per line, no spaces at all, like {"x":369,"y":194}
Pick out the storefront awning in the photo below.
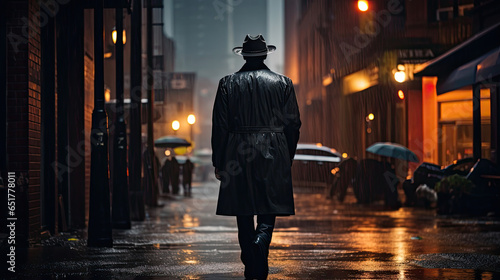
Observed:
{"x":463,"y":64}
{"x":476,"y":71}
{"x":489,"y":67}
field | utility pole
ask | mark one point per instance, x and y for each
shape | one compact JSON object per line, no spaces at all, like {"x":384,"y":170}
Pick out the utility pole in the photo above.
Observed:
{"x":99,"y":231}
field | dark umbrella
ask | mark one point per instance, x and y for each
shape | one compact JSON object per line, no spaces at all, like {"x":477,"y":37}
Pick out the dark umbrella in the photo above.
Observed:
{"x":392,"y":150}
{"x":171,"y":142}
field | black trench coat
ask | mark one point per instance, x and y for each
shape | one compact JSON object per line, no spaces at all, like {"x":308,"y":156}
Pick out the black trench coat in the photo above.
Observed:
{"x":255,"y":130}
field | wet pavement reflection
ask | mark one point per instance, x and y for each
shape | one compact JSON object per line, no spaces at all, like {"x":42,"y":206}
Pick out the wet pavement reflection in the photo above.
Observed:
{"x":324,"y":240}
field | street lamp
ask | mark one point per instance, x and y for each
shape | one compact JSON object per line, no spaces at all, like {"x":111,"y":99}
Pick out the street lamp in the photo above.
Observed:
{"x":107,"y":94}
{"x":135,"y":147}
{"x":191,"y":119}
{"x":400,"y":75}
{"x":175,"y":126}
{"x":120,"y":215}
{"x":113,"y":36}
{"x":99,"y":228}
{"x":363,"y":5}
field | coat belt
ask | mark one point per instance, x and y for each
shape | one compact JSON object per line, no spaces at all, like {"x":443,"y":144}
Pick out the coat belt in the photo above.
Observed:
{"x":256,"y":129}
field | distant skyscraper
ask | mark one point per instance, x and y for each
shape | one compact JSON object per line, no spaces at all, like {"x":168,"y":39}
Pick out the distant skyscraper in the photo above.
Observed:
{"x":205,"y":31}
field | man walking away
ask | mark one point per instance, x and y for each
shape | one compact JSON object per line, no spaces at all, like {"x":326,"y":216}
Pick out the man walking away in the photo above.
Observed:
{"x":255,"y":130}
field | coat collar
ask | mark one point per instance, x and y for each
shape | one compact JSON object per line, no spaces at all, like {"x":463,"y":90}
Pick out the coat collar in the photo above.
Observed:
{"x":253,"y":66}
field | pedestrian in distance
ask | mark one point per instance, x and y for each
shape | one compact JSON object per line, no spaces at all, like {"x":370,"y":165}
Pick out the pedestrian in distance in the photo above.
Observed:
{"x":149,"y":167}
{"x":187,"y":176}
{"x":255,"y":130}
{"x":174,"y":175}
{"x":165,"y":171}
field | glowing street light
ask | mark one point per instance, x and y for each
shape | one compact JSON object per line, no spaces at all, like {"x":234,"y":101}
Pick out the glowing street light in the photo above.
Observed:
{"x":113,"y":36}
{"x":191,"y":119}
{"x":175,"y":126}
{"x":363,"y":5}
{"x":400,"y":75}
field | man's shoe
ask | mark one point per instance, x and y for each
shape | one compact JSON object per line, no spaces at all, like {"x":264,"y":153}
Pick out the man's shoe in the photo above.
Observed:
{"x":261,"y":250}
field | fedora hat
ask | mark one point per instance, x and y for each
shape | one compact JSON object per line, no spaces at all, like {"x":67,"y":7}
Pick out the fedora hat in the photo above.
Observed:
{"x":254,"y":46}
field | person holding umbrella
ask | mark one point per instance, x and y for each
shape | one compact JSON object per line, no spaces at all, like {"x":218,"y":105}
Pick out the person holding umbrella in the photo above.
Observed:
{"x":255,"y":130}
{"x":173,"y":167}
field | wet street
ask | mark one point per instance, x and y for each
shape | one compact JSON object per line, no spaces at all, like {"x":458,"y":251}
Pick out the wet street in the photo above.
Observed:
{"x":324,"y":240}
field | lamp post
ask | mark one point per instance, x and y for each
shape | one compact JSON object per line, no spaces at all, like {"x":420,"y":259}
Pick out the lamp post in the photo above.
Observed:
{"x":152,"y":172}
{"x":191,"y":119}
{"x":99,"y":230}
{"x":121,"y":208}
{"x":175,"y":126}
{"x":137,"y":209}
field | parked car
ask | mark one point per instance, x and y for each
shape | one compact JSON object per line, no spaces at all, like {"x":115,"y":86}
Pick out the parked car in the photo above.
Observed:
{"x":314,"y":166}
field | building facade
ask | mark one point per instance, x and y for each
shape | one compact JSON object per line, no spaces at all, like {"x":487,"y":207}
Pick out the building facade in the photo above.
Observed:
{"x":467,"y":105}
{"x":47,"y":101}
{"x":346,"y":63}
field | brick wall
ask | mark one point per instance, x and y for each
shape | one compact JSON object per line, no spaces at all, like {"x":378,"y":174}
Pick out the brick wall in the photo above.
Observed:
{"x":23,"y":114}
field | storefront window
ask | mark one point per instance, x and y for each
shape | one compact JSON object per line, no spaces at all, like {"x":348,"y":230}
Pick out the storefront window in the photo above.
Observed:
{"x":456,"y":129}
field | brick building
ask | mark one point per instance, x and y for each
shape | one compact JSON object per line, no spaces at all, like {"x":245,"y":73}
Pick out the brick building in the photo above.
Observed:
{"x":48,"y":100}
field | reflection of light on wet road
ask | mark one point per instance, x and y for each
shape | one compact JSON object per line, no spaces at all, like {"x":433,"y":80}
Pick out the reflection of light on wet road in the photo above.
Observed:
{"x":324,"y":240}
{"x":189,"y":256}
{"x":189,"y":221}
{"x":399,"y":236}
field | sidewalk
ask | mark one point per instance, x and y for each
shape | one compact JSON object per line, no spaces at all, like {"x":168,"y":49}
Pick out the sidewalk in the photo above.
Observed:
{"x":184,"y":239}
